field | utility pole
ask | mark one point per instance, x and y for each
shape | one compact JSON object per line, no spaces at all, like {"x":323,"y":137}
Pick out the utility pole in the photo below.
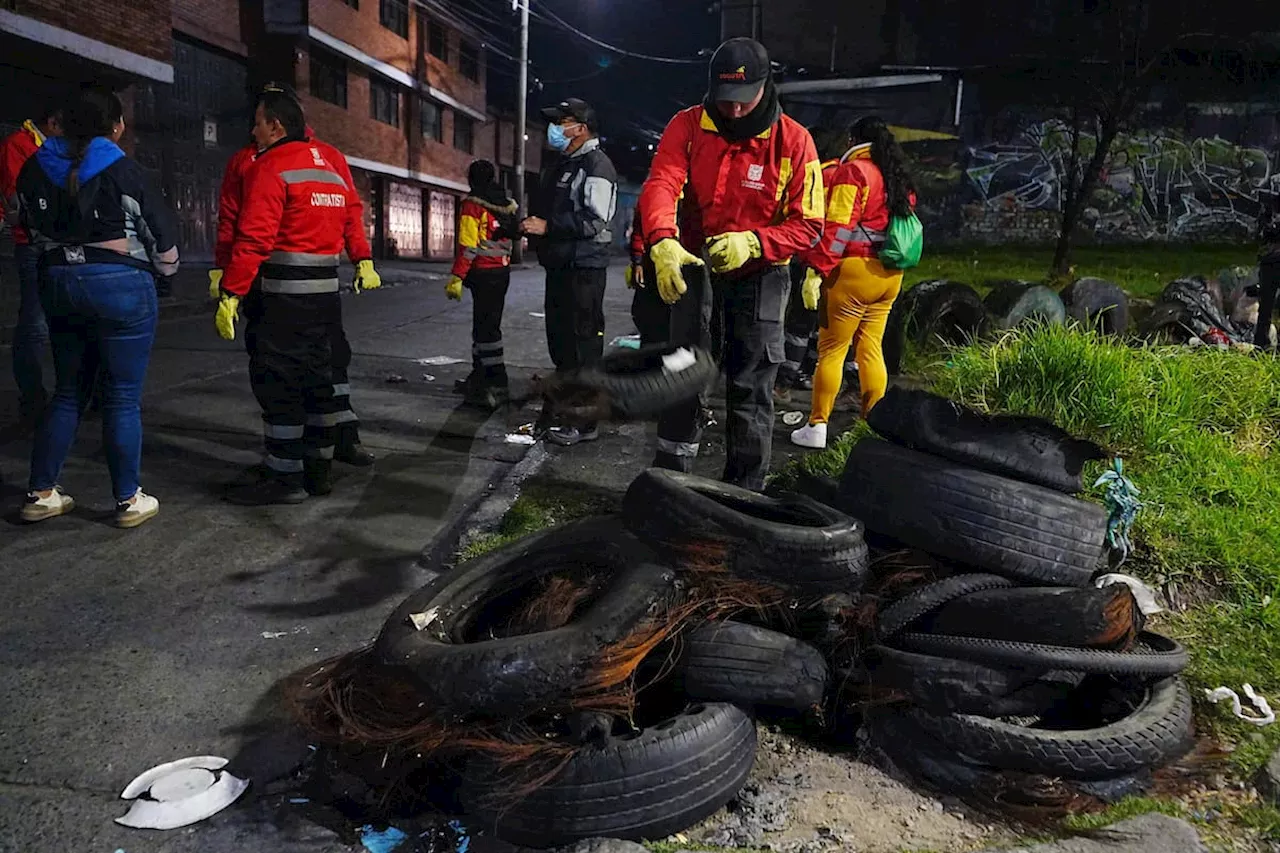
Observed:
{"x":522,"y":119}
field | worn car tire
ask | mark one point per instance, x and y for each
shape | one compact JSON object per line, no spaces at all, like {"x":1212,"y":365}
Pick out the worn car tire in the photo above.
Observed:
{"x":1153,"y":656}
{"x":1024,"y":448}
{"x":992,"y":523}
{"x":639,"y":386}
{"x":513,"y":676}
{"x":750,"y":667}
{"x":789,"y":541}
{"x":903,"y":613}
{"x":951,"y":686}
{"x":1106,"y":618}
{"x":916,"y":752}
{"x":644,"y":786}
{"x":1098,"y":304}
{"x":949,"y":311}
{"x":1168,"y":324}
{"x":1158,"y":731}
{"x":1012,"y":303}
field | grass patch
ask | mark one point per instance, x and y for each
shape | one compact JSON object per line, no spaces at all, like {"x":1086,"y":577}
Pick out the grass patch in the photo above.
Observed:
{"x":1127,"y":808}
{"x":1142,"y":270}
{"x":542,"y":504}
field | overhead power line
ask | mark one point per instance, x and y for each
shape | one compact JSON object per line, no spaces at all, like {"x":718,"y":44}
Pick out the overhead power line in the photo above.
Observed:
{"x":546,"y":15}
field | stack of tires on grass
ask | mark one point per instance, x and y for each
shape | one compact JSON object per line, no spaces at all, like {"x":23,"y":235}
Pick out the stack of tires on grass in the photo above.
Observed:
{"x":1016,"y":677}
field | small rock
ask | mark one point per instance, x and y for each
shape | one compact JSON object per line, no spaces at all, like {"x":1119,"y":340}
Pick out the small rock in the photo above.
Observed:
{"x":1150,"y":833}
{"x":604,"y":845}
{"x":396,"y":379}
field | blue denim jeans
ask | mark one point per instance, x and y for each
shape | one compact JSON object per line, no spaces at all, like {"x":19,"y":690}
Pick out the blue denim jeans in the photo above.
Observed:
{"x":31,"y":335}
{"x":107,"y":311}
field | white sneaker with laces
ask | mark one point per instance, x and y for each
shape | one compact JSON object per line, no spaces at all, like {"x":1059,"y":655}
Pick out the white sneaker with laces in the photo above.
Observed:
{"x":812,"y":436}
{"x":39,"y":508}
{"x":142,"y":507}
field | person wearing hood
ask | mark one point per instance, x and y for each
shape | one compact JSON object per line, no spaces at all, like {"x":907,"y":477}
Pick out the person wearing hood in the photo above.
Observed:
{"x":102,"y":231}
{"x":349,"y":449}
{"x":753,"y":198}
{"x":482,"y":264}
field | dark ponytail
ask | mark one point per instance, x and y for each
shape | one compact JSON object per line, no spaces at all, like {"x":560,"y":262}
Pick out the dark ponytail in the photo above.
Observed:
{"x":91,"y":112}
{"x":888,"y":155}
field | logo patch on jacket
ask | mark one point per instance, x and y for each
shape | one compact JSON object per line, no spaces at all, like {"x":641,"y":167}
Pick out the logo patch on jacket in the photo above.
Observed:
{"x":328,"y":200}
{"x":755,"y":178}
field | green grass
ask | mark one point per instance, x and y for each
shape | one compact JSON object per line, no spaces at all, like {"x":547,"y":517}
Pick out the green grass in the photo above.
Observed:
{"x":541,"y":505}
{"x":1129,"y":807}
{"x":1142,"y":270}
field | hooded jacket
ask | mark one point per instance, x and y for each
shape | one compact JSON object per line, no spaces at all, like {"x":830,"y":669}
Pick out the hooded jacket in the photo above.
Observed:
{"x":485,"y":226}
{"x":15,"y":151}
{"x":118,"y":216}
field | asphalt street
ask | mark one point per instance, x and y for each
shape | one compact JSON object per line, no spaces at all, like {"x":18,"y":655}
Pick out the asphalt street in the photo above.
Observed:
{"x":120,"y":650}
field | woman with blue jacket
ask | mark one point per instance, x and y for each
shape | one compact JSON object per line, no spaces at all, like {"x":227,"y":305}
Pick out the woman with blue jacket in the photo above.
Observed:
{"x":103,"y":232}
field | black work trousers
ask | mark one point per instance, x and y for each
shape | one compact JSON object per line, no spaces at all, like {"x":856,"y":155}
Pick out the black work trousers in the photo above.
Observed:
{"x":294,"y":343}
{"x":1268,"y":285}
{"x":800,"y":342}
{"x":747,"y":315}
{"x":575,"y":321}
{"x":488,"y":300}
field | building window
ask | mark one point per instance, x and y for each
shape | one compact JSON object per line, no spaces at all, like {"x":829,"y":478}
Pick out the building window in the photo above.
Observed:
{"x":438,"y":41}
{"x":432,"y":121}
{"x":328,"y":77}
{"x":464,"y":133}
{"x":384,"y":101}
{"x":469,"y":60}
{"x":394,"y":15}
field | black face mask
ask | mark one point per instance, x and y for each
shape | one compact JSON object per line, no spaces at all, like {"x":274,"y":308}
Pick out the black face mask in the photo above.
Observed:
{"x":754,"y":123}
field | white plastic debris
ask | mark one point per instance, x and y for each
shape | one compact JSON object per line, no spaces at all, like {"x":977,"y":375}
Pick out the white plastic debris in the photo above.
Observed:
{"x":681,"y":359}
{"x":440,"y":361}
{"x":792,"y":418}
{"x":422,"y":620}
{"x":1142,"y":593}
{"x":180,"y":793}
{"x":517,"y":438}
{"x":538,"y":314}
{"x":1259,"y":702}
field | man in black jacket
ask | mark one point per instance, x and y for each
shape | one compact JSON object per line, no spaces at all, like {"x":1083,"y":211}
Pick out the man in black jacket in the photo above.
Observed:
{"x":572,"y":215}
{"x":1268,"y":272}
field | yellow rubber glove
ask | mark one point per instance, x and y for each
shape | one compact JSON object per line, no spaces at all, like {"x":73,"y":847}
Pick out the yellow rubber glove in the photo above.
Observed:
{"x":367,"y":277}
{"x":215,"y":284}
{"x":228,"y":314}
{"x":811,"y":291}
{"x":733,"y":251}
{"x":453,"y":288}
{"x":668,"y":258}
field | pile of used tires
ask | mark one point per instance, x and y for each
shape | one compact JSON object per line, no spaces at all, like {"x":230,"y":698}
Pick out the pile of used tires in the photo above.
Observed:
{"x":1017,"y":680}
{"x":603,"y":678}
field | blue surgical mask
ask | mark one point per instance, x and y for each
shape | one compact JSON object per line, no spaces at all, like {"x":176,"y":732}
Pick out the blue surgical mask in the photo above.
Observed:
{"x":556,"y":137}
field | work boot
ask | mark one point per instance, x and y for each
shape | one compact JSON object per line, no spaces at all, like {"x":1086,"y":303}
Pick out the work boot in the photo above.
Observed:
{"x":569,"y":436}
{"x":354,"y":454}
{"x":317,"y":477}
{"x":268,"y":491}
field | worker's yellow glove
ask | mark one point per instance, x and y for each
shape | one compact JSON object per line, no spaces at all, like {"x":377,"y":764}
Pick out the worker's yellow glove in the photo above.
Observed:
{"x":811,"y":290}
{"x":668,"y":258}
{"x":733,"y":251}
{"x":228,"y":313}
{"x":367,"y":277}
{"x":215,"y":283}
{"x":453,"y":288}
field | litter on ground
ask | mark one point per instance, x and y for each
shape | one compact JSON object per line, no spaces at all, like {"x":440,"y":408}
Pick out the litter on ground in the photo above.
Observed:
{"x":381,"y":841}
{"x":626,"y":342}
{"x":519,"y":438}
{"x":792,"y":418}
{"x":180,"y":793}
{"x":440,"y":361}
{"x":1259,"y":702}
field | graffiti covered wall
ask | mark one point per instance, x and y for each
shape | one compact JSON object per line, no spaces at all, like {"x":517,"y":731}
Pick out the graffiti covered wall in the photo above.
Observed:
{"x":1156,"y":185}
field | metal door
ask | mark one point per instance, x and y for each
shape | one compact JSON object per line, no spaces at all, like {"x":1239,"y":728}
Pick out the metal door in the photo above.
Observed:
{"x":404,"y":212}
{"x":442,"y":225}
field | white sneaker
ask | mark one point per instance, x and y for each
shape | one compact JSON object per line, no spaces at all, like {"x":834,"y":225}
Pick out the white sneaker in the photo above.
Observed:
{"x":38,"y":508}
{"x":133,"y":512}
{"x":813,"y":436}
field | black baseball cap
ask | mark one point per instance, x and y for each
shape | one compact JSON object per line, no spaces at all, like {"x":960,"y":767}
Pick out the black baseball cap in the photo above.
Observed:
{"x":574,"y":108}
{"x":739,"y":70}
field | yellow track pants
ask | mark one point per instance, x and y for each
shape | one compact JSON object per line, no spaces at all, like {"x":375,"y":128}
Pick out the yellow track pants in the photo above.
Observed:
{"x":857,"y":298}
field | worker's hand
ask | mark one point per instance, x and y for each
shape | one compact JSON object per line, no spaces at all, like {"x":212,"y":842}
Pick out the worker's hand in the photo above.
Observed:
{"x":668,"y":258}
{"x":367,"y":277}
{"x":215,"y":284}
{"x":534,"y":226}
{"x":811,"y":290}
{"x":733,"y":251}
{"x":453,"y":288}
{"x":635,"y":274}
{"x":228,"y":314}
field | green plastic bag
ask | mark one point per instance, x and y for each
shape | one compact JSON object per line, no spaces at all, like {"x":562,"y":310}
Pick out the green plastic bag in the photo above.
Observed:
{"x":904,"y":243}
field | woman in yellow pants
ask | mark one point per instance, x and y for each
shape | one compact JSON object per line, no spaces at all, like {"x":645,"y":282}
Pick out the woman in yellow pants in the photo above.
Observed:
{"x":871,"y":184}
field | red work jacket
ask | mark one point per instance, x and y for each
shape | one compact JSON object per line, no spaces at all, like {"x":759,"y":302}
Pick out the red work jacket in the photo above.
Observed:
{"x":857,"y":213}
{"x":770,"y":184}
{"x":291,"y":226}
{"x":231,"y":194}
{"x":15,"y":151}
{"x":477,"y":248}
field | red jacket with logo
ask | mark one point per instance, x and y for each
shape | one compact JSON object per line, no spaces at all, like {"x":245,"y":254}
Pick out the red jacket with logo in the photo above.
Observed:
{"x":17,"y":148}
{"x":770,"y":184}
{"x":292,"y":224}
{"x":477,"y":248}
{"x":857,"y":213}
{"x":232,"y":192}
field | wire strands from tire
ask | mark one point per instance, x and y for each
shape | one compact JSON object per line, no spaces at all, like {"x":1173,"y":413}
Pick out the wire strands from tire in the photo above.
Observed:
{"x":1154,"y":656}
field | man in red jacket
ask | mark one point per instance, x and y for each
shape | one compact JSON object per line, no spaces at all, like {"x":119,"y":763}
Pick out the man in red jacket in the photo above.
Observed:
{"x":31,"y":334}
{"x":753,"y":198}
{"x":284,"y":265}
{"x":230,"y":198}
